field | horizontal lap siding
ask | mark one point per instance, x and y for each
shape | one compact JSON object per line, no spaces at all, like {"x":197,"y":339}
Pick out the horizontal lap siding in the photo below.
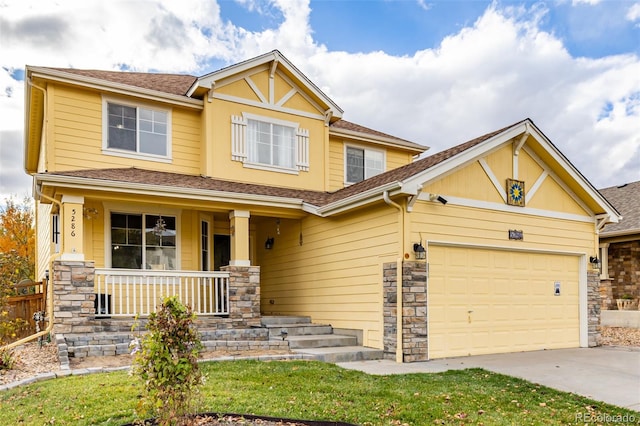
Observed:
{"x":77,"y":131}
{"x":490,"y":228}
{"x":335,"y":276}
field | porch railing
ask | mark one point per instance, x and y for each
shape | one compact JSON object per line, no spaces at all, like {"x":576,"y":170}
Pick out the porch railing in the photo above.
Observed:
{"x":131,"y":292}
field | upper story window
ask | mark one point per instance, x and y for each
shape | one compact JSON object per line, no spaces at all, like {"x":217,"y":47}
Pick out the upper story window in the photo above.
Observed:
{"x":362,"y":163}
{"x":136,"y":130}
{"x":269,"y":144}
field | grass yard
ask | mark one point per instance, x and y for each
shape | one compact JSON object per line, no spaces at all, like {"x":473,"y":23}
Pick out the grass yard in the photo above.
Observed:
{"x":313,"y":391}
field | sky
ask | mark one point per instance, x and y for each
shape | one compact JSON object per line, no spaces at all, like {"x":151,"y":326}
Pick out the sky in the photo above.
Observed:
{"x":437,"y":73}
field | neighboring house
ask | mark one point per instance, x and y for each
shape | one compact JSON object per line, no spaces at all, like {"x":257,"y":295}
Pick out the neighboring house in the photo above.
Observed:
{"x":246,"y":193}
{"x":620,"y":246}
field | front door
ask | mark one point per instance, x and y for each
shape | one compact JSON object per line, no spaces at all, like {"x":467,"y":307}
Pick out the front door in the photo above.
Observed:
{"x":221,"y":251}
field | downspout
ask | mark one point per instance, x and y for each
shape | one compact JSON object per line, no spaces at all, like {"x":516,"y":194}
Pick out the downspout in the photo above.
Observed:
{"x":49,"y":328}
{"x":399,"y":316}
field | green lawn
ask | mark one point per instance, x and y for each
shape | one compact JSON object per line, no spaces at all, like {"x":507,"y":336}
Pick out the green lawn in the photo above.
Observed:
{"x":315,"y":391}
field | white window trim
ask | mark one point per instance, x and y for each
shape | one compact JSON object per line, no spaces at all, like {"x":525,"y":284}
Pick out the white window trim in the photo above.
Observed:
{"x":130,"y":154}
{"x":209,"y":247}
{"x":132,"y":209}
{"x":239,"y":143}
{"x":365,"y":149}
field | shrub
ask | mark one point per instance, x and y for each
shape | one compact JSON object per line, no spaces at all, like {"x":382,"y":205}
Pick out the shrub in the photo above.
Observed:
{"x":166,"y":359}
{"x":6,"y":359}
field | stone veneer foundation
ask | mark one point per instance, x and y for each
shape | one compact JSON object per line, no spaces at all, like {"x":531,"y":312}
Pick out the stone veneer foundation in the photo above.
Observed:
{"x":78,"y":333}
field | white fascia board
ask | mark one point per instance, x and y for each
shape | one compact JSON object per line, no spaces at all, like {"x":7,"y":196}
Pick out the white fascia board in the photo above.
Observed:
{"x":119,"y":88}
{"x":169,"y":191}
{"x":379,"y":140}
{"x":550,"y":148}
{"x":206,"y":81}
{"x":471,"y":154}
{"x":356,"y":200}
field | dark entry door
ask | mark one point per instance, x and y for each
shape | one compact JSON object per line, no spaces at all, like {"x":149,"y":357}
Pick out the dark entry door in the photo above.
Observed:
{"x":221,"y":251}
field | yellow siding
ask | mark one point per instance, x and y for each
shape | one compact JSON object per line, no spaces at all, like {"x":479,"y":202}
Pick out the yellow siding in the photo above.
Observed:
{"x":501,"y":164}
{"x":528,"y":170}
{"x":490,"y":228}
{"x":281,"y":88}
{"x":76,"y":143}
{"x":220,"y":165}
{"x":470,"y":182}
{"x":43,"y":239}
{"x":335,"y":276}
{"x":552,"y":196}
{"x":240,"y":89}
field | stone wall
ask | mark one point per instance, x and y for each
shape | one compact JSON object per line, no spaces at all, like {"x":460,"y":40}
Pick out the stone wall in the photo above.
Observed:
{"x":593,"y":308}
{"x":414,"y":311}
{"x":624,"y":270}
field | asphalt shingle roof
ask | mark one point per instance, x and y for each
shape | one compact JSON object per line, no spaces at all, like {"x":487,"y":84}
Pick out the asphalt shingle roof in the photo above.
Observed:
{"x":626,"y":199}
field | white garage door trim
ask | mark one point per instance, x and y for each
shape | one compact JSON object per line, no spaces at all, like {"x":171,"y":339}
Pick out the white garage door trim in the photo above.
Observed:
{"x":582,"y":279}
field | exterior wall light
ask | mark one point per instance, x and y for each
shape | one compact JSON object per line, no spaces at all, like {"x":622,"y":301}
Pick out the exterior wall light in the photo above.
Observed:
{"x":595,"y":262}
{"x":419,"y":251}
{"x":269,"y":243}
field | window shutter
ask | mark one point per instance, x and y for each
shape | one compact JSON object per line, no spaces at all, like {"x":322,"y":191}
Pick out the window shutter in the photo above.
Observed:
{"x":302,"y":137}
{"x":238,"y":138}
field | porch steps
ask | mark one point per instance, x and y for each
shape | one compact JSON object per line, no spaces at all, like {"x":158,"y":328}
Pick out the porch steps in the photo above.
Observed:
{"x":317,"y":341}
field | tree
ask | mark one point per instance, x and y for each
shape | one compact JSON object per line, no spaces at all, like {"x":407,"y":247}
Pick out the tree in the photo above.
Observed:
{"x":17,"y":244}
{"x":17,"y":262}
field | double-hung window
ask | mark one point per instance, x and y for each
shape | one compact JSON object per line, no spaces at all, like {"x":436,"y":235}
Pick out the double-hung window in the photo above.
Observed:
{"x":136,"y":130}
{"x":270,"y":144}
{"x":362,"y":163}
{"x":143,"y":241}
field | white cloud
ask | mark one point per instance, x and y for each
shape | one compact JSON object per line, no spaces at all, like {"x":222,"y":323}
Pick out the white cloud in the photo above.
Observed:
{"x":589,"y":2}
{"x":499,"y":70}
{"x":633,"y":13}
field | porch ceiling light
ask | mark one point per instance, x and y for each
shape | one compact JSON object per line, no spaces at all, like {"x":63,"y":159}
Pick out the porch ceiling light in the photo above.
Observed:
{"x":268,"y":244}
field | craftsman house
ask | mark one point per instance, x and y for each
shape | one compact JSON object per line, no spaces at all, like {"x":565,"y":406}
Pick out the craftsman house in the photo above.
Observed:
{"x":244,"y":192}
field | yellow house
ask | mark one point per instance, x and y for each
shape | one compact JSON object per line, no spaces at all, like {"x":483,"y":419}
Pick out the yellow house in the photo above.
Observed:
{"x":244,"y":192}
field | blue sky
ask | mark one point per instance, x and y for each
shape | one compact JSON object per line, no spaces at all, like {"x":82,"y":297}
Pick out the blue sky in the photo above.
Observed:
{"x":434,"y":72}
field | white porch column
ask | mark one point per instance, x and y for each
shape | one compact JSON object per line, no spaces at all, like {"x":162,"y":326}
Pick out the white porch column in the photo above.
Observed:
{"x":239,"y":238}
{"x":72,"y":228}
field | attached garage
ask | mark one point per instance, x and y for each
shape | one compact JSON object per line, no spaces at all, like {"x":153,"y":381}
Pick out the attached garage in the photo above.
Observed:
{"x":485,"y":301}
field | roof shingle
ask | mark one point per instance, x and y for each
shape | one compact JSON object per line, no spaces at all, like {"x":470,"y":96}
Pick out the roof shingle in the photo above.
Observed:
{"x":625,"y":199}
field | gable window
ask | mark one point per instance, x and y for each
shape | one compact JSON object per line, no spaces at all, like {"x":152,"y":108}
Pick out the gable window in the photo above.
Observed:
{"x":269,"y":144}
{"x":136,"y":130}
{"x":362,"y":163}
{"x":143,"y":241}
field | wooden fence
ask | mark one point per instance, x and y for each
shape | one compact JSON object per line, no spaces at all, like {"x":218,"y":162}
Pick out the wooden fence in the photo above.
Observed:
{"x":30,"y":298}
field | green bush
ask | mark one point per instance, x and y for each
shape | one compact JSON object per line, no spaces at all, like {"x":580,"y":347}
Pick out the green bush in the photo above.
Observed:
{"x":166,"y":359}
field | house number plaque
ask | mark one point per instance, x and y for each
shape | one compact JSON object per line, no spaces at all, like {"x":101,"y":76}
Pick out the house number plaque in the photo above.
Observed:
{"x":516,"y":235}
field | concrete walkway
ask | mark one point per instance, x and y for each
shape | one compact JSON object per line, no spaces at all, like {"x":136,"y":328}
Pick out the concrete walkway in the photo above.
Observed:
{"x":608,"y":374}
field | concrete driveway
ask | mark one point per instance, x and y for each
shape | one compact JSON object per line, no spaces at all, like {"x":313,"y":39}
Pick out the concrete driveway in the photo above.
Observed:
{"x":606,"y":373}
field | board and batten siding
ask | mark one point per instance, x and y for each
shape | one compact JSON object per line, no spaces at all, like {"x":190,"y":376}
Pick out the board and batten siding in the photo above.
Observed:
{"x":335,"y":275}
{"x":76,"y":132}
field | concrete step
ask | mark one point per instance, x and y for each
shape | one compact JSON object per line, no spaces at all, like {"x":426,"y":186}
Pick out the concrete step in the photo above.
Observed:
{"x":277,"y":320}
{"x":341,"y":354}
{"x":276,"y":331}
{"x":320,"y":341}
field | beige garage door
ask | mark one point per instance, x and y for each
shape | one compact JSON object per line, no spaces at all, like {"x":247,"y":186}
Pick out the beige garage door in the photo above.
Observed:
{"x":484,"y":301}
